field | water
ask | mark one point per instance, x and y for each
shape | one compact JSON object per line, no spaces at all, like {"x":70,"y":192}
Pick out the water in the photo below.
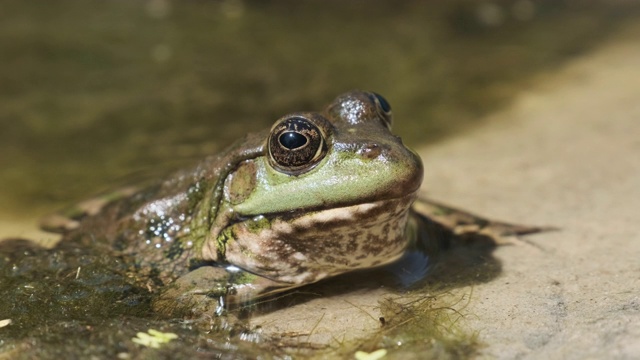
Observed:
{"x":94,"y":94}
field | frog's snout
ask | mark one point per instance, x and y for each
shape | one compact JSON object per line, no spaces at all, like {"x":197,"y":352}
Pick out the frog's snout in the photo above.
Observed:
{"x":402,"y":166}
{"x":413,"y":171}
{"x":418,"y":170}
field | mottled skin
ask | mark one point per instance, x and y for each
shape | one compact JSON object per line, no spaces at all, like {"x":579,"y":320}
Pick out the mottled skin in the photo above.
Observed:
{"x":283,"y":214}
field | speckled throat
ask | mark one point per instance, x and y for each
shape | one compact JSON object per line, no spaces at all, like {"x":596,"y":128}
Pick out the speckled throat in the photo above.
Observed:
{"x":307,"y":248}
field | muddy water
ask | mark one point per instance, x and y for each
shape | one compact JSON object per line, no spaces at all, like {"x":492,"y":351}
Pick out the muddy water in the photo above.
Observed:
{"x":94,"y":94}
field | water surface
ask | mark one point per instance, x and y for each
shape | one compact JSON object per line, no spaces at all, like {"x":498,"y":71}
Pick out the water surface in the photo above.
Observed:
{"x":94,"y":94}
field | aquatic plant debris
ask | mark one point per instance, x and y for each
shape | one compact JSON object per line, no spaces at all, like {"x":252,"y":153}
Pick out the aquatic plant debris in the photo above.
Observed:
{"x":376,"y":355}
{"x":5,"y":322}
{"x":154,"y":338}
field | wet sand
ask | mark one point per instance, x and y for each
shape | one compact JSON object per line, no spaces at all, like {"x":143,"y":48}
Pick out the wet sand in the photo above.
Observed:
{"x":566,"y":154}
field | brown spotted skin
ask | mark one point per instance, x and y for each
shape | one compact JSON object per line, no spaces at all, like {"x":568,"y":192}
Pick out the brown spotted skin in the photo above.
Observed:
{"x":302,"y":249}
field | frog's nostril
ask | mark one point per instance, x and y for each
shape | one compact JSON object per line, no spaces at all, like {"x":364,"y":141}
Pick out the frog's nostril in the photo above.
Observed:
{"x":370,"y":151}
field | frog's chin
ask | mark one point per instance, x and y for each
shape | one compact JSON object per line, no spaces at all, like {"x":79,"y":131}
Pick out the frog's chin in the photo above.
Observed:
{"x":311,"y":246}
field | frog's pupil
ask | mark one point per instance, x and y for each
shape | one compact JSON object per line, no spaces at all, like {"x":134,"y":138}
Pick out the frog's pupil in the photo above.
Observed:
{"x":384,"y":104}
{"x":292,"y":140}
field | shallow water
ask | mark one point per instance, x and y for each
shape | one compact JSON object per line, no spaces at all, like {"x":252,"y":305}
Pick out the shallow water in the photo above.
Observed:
{"x":93,"y":91}
{"x":94,"y":94}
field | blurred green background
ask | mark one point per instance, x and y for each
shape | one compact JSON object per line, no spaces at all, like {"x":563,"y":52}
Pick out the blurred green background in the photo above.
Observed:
{"x":94,"y":93}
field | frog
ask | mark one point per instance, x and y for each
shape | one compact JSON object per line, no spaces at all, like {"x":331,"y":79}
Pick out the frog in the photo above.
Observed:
{"x":317,"y":195}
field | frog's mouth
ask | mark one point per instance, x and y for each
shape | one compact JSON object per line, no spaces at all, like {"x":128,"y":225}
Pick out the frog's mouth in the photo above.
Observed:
{"x":351,"y":212}
{"x":304,"y":248}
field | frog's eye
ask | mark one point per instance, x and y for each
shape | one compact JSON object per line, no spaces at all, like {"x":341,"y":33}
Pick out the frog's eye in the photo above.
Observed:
{"x":296,"y":145}
{"x":383,"y":108}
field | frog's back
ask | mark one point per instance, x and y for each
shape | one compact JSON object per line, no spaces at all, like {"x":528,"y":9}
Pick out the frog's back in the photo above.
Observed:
{"x":148,"y":224}
{"x":157,"y":226}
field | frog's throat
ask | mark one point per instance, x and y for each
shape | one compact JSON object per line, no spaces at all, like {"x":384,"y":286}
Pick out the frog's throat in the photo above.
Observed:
{"x":307,"y":248}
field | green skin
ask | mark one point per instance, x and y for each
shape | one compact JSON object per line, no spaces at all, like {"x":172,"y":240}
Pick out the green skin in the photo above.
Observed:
{"x":280,"y":227}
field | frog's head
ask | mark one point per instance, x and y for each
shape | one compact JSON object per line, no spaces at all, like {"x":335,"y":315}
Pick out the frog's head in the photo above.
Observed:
{"x":330,"y":194}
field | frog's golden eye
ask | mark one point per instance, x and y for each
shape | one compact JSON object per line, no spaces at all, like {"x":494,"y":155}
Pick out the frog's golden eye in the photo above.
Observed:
{"x":383,"y":108}
{"x":295,"y":145}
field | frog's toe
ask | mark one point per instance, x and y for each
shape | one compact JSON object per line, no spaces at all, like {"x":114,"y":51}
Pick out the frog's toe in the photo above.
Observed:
{"x":57,"y":223}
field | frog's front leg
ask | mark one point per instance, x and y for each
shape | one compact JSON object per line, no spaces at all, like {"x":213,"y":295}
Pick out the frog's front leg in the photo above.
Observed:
{"x":206,"y":291}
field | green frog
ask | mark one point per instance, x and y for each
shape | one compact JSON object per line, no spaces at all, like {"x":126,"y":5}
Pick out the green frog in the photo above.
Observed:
{"x":317,"y":195}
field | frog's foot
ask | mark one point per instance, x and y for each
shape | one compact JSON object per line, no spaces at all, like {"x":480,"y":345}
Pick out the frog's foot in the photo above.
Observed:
{"x":199,"y":293}
{"x":206,"y":292}
{"x":463,"y":223}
